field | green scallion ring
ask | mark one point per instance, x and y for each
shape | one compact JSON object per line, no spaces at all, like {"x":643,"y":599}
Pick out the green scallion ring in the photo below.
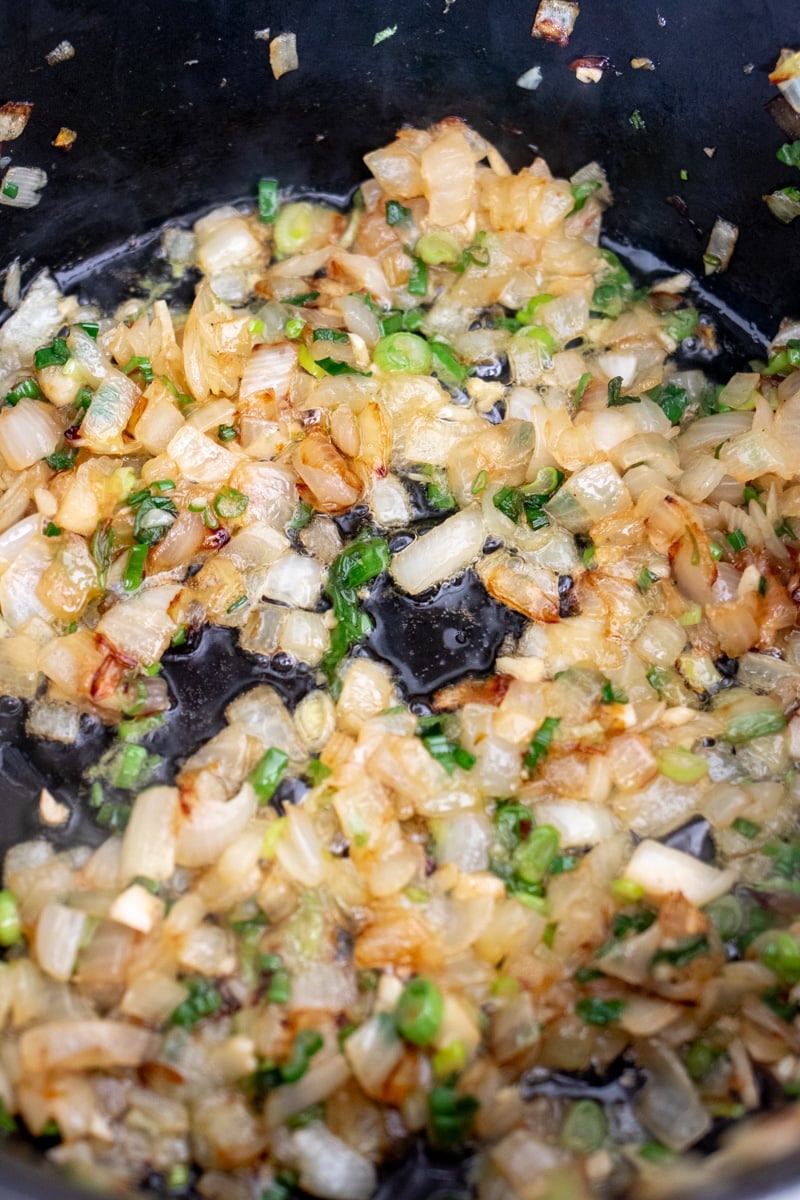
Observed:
{"x":419,"y":1011}
{"x":403,"y":352}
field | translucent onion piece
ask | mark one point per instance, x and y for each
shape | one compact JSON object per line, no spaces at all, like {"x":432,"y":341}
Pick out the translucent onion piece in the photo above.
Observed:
{"x":58,"y":936}
{"x":29,"y":431}
{"x":148,"y":847}
{"x":28,"y":182}
{"x":329,"y":1168}
{"x":283,"y":54}
{"x":661,"y":870}
{"x":720,"y":246}
{"x":440,"y":553}
{"x":210,"y":826}
{"x":14,"y":117}
{"x":84,"y":1045}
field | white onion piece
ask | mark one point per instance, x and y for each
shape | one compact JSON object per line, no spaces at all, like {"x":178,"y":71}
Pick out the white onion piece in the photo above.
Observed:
{"x":29,"y":431}
{"x":17,"y":537}
{"x":263,"y":714}
{"x":109,"y":413}
{"x":14,"y":116}
{"x":200,"y":458}
{"x":300,"y":850}
{"x":555,"y":20}
{"x":18,"y":599}
{"x":28,"y":181}
{"x":441,"y":552}
{"x":318,"y":1082}
{"x":137,"y":908}
{"x":84,"y":1045}
{"x":148,"y":846}
{"x":660,"y":870}
{"x":58,"y":936}
{"x":35,"y":322}
{"x":13,"y":281}
{"x":365,"y":272}
{"x":448,"y":174}
{"x":283,"y":54}
{"x":464,"y":840}
{"x":720,"y":246}
{"x":360,"y":319}
{"x":229,"y":244}
{"x":668,"y":1104}
{"x":210,"y":826}
{"x":330,"y":987}
{"x":329,"y":1168}
{"x":578,"y":822}
{"x":529,"y":80}
{"x":295,"y":580}
{"x":140,"y":627}
{"x":270,"y":369}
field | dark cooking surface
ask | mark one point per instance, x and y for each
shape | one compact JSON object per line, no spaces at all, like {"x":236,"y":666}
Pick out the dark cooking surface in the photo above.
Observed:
{"x":176,"y":109}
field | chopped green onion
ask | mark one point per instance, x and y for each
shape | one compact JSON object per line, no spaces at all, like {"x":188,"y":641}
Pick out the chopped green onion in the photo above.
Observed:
{"x":789,"y":153}
{"x":682,"y":324}
{"x":612,"y":695}
{"x":203,"y":1001}
{"x":784,"y":204}
{"x":615,"y":392}
{"x":403,"y":352}
{"x":307,"y":1043}
{"x":419,"y":1011}
{"x":28,"y":389}
{"x":654,"y":1152}
{"x":317,"y":771}
{"x":672,"y":400}
{"x":51,"y":530}
{"x":90,"y":327}
{"x":178,"y":1177}
{"x":332,"y":366}
{"x":755,"y":725}
{"x":397,"y":213}
{"x":154,"y":516}
{"x":129,"y":768}
{"x":737,"y":540}
{"x":11,"y":189}
{"x":302,"y":298}
{"x":448,"y":754}
{"x":10,"y":924}
{"x":684,"y":952}
{"x":626,"y":890}
{"x":267,"y":773}
{"x":527,"y":314}
{"x":450,"y":1115}
{"x":302,"y":515}
{"x":226,"y":433}
{"x":746,"y":829}
{"x":646,"y":579}
{"x":584,"y":380}
{"x":479,"y":483}
{"x":680,"y":765}
{"x":585,"y":1128}
{"x":134,"y":568}
{"x":229,"y":503}
{"x":540,"y":743}
{"x":532,"y":859}
{"x":62,"y":460}
{"x":450,"y":1060}
{"x":637,"y":120}
{"x":510,"y":503}
{"x":141,"y":364}
{"x":383,"y":34}
{"x":581,"y":193}
{"x":294,"y":327}
{"x":267,"y":200}
{"x":418,"y":276}
{"x":593,"y":1010}
{"x":701,"y":1059}
{"x":438,"y":248}
{"x":782,"y":955}
{"x":330,"y":335}
{"x":54,"y":355}
{"x":238,"y":603}
{"x":445,"y":364}
{"x":280,"y":987}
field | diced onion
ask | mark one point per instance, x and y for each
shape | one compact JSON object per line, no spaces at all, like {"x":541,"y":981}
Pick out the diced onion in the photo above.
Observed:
{"x":661,"y":870}
{"x":440,"y":553}
{"x":283,"y":54}
{"x":21,"y":186}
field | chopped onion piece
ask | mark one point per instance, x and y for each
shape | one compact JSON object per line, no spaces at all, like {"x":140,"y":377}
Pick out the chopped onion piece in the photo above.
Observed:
{"x":21,"y":186}
{"x":63,"y":52}
{"x":283,"y":54}
{"x":148,"y":848}
{"x":720,"y":246}
{"x":440,"y":553}
{"x":329,"y":1168}
{"x":14,"y":116}
{"x":58,"y":936}
{"x":529,"y":80}
{"x":555,"y":20}
{"x":784,"y":204}
{"x":661,"y":870}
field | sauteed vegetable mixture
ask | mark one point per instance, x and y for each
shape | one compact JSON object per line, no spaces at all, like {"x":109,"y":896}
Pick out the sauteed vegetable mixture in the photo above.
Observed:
{"x":470,"y":898}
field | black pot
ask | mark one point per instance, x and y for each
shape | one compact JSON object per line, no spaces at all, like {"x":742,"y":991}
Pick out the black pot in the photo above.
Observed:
{"x":176,"y":109}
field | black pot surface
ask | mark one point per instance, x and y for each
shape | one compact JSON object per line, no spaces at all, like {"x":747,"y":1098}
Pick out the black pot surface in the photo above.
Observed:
{"x":176,"y":110}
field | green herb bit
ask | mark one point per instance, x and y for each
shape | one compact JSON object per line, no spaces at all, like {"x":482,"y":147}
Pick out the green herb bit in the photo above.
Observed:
{"x":513,"y":822}
{"x":737,"y":540}
{"x":593,"y":1010}
{"x":307,"y":1043}
{"x":302,"y":515}
{"x":11,"y":189}
{"x":686,"y":950}
{"x":682,"y":323}
{"x":448,"y":754}
{"x":439,"y":495}
{"x":280,"y":987}
{"x":397,"y":213}
{"x":445,"y":364}
{"x":746,"y":829}
{"x":54,"y":355}
{"x":477,"y":254}
{"x":268,"y":772}
{"x":129,"y":769}
{"x":330,"y":335}
{"x":238,"y":603}
{"x":510,"y":503}
{"x":450,"y":1115}
{"x":583,"y":382}
{"x":317,"y":772}
{"x":267,"y":200}
{"x":419,"y":1011}
{"x":615,"y":397}
{"x":541,"y":741}
{"x":314,"y":1112}
{"x":203,"y":1000}
{"x":782,"y":955}
{"x":479,"y":483}
{"x":585,"y":1128}
{"x":52,"y":530}
{"x":383,"y":34}
{"x":62,"y":460}
{"x":154,"y":515}
{"x":332,"y":366}
{"x":90,"y":327}
{"x":581,"y":193}
{"x":613,"y":695}
{"x":701,"y":1058}
{"x":646,"y":579}
{"x":784,"y":204}
{"x":533,"y":858}
{"x":100,"y":548}
{"x":140,"y":363}
{"x":418,"y":276}
{"x":672,"y":400}
{"x":294,"y":327}
{"x":637,"y":120}
{"x":134,"y":568}
{"x":229,"y":503}
{"x":27,"y":389}
{"x":7,"y":1122}
{"x":403,"y":352}
{"x":654,"y":1152}
{"x":789,"y":153}
{"x":785,"y":360}
{"x":10,"y":924}
{"x":226,"y":433}
{"x":281,"y":1187}
{"x":754,"y":725}
{"x":302,"y":299}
